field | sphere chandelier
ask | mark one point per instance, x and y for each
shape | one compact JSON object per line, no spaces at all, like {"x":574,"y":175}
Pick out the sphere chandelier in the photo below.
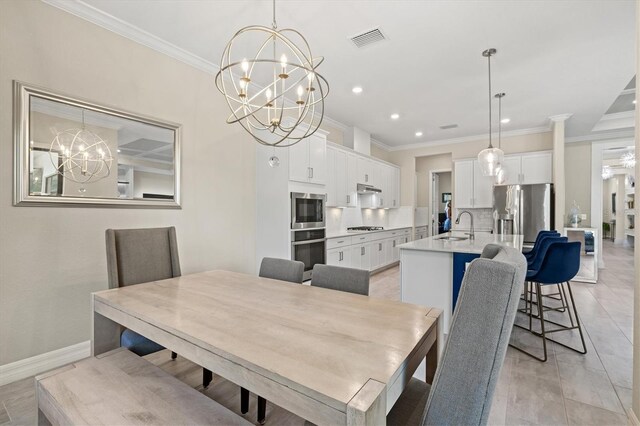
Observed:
{"x":80,"y":155}
{"x":290,"y":107}
{"x":628,"y":160}
{"x":490,"y":158}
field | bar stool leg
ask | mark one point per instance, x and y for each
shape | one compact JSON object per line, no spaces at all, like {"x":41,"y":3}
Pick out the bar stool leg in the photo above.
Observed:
{"x":244,"y":400}
{"x":207,"y":377}
{"x":174,"y":355}
{"x":262,"y":410}
{"x":541,"y":315}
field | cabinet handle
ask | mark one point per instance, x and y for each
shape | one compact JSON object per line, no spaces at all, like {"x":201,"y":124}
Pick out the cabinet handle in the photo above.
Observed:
{"x":340,"y":258}
{"x":348,"y":199}
{"x":379,"y":246}
{"x":366,"y":178}
{"x":394,"y":243}
{"x":340,"y":242}
{"x":394,"y":203}
{"x":311,"y":172}
{"x":361,"y":251}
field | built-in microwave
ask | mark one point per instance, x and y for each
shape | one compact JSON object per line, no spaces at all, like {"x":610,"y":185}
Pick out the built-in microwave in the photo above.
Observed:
{"x":307,"y":210}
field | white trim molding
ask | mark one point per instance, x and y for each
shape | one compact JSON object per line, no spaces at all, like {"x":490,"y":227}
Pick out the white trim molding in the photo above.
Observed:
{"x":633,"y":419}
{"x":96,"y":16}
{"x":530,"y":131}
{"x":595,"y":137}
{"x":38,"y":364}
{"x":560,"y":117}
{"x":620,"y":120}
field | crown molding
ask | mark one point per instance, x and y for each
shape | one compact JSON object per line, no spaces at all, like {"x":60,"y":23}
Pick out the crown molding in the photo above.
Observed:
{"x":594,"y":137}
{"x":619,"y":120}
{"x":381,"y":145}
{"x":334,"y":123}
{"x":521,"y":132}
{"x":96,"y":16}
{"x":560,"y":117}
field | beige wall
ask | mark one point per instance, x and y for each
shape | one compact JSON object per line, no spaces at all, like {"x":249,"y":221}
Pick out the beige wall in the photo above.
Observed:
{"x":406,"y":159}
{"x":424,"y":165}
{"x":335,"y":134}
{"x":52,"y":258}
{"x":577,"y":166}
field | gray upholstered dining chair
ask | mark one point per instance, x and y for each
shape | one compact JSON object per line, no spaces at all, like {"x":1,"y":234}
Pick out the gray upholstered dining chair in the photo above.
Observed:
{"x":277,"y":269}
{"x":463,"y":387}
{"x":136,"y":256}
{"x":351,"y":280}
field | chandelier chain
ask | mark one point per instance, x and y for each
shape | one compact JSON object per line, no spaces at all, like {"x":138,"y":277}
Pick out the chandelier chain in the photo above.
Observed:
{"x":489,"y":61}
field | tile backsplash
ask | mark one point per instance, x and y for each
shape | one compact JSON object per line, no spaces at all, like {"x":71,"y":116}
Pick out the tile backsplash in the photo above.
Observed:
{"x":482,"y":219}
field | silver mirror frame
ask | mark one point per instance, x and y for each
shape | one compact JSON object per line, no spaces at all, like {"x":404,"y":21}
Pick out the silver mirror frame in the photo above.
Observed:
{"x":21,"y":128}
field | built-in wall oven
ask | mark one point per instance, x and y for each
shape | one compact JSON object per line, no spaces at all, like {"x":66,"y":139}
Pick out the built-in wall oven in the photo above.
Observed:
{"x":307,"y":210}
{"x":308,"y":246}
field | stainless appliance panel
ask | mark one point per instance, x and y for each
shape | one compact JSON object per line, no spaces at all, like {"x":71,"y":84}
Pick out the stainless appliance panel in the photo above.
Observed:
{"x":307,"y":210}
{"x":309,"y":247}
{"x":529,"y":206}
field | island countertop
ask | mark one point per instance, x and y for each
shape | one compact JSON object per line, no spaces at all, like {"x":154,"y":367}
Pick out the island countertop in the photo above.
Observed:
{"x":437,"y":243}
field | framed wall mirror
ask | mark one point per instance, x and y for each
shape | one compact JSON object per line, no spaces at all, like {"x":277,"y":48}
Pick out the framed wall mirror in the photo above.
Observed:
{"x":70,"y":151}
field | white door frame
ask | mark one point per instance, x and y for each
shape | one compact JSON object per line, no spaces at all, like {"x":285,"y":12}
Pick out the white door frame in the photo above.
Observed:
{"x":597,"y":149}
{"x":430,"y":212}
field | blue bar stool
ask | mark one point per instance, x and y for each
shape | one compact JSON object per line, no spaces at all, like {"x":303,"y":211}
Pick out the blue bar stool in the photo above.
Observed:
{"x":560,"y":264}
{"x":531,"y":253}
{"x":533,"y":266}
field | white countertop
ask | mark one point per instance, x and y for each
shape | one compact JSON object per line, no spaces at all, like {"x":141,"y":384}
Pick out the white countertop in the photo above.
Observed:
{"x":345,"y":233}
{"x":464,"y":246}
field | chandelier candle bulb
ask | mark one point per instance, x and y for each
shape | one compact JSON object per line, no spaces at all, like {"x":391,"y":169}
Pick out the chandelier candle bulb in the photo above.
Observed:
{"x":283,"y":62}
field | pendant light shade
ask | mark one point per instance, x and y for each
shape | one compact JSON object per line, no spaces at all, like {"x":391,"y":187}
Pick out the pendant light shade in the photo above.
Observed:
{"x":490,"y":159}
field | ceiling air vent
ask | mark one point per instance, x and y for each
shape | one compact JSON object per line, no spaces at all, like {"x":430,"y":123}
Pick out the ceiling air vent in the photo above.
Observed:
{"x":448,"y":126}
{"x":368,"y":37}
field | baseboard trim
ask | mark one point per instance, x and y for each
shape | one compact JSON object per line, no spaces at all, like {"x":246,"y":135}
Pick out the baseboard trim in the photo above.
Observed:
{"x":38,"y":364}
{"x":633,"y":419}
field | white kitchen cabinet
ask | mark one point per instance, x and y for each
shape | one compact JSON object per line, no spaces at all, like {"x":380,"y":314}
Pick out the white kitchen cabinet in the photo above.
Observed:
{"x":308,"y":160}
{"x":395,"y":199}
{"x":361,"y":256}
{"x":340,"y":256}
{"x":365,"y":170}
{"x":352,"y":180}
{"x":378,"y":254}
{"x":529,"y":168}
{"x":537,"y":168}
{"x":472,"y":189}
{"x":337,"y":195}
{"x":463,"y":187}
{"x":482,"y":188}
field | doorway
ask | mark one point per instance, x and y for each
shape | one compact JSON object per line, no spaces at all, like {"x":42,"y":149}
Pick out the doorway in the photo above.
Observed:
{"x":441,"y":197}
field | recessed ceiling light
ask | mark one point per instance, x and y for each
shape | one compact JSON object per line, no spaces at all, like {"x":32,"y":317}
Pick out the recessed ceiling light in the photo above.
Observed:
{"x":357,"y":90}
{"x":634,"y":101}
{"x":505,"y":120}
{"x":418,"y":134}
{"x":395,"y":116}
{"x":118,"y":150}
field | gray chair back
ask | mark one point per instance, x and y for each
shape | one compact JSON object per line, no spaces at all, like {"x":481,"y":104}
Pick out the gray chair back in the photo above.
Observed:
{"x":465,"y":381}
{"x":282,"y":269}
{"x":141,"y":255}
{"x":338,"y":278}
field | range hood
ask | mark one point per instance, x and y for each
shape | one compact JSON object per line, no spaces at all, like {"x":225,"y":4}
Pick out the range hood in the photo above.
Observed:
{"x":367,"y":189}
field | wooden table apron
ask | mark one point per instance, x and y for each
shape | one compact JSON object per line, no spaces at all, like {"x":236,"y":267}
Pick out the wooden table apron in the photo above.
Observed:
{"x":330,"y":357}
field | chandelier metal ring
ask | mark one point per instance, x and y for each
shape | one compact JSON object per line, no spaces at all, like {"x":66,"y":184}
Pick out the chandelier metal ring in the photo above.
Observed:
{"x":264,"y":110}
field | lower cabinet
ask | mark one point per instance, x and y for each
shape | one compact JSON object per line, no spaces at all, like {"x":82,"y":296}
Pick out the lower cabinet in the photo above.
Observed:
{"x":369,"y":251}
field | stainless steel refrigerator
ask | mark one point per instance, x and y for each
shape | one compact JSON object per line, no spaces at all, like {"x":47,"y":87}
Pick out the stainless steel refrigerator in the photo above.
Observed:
{"x":523,"y":209}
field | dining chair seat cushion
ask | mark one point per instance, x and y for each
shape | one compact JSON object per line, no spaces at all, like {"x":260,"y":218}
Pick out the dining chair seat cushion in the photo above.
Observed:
{"x":404,"y":411}
{"x":138,"y":344}
{"x":351,"y":280}
{"x":282,"y":269}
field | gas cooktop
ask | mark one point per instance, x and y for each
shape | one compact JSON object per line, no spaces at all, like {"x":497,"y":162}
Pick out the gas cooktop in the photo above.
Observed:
{"x":365,"y":228}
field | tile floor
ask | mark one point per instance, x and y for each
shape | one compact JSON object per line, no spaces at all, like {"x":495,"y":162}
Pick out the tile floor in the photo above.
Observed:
{"x":591,"y":389}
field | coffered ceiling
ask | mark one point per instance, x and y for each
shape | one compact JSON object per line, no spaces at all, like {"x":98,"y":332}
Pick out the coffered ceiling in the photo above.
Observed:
{"x":553,"y":57}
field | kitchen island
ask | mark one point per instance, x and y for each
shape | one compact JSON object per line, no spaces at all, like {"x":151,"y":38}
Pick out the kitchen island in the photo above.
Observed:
{"x":431,"y":269}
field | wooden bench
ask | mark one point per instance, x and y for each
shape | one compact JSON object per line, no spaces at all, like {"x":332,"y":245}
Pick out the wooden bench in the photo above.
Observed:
{"x":120,"y":388}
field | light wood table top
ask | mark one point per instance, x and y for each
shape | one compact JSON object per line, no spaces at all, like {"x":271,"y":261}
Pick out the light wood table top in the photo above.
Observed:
{"x":323,"y":344}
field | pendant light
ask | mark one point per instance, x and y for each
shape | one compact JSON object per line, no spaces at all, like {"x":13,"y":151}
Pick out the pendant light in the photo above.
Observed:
{"x":501,"y":175}
{"x":276,"y":95}
{"x":490,"y":158}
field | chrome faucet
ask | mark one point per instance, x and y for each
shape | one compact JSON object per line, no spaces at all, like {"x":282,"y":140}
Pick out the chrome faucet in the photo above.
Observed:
{"x":472,"y":234}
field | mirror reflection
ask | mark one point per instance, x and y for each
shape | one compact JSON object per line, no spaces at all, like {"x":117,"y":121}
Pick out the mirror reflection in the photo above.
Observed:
{"x":80,"y":152}
{"x":588,"y":239}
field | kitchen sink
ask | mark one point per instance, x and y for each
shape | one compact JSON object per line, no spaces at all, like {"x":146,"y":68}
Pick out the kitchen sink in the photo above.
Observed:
{"x":452,"y":238}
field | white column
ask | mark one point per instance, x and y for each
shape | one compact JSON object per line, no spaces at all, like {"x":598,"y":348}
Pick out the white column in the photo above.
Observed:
{"x":636,"y":309}
{"x":558,"y":167}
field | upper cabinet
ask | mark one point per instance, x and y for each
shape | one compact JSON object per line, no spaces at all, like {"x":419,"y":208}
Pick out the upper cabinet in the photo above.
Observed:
{"x":471,"y":188}
{"x":346,"y":169}
{"x":308,"y":160}
{"x":529,"y":168}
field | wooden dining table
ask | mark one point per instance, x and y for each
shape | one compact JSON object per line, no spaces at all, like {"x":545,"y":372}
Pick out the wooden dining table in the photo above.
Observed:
{"x":327,"y":356}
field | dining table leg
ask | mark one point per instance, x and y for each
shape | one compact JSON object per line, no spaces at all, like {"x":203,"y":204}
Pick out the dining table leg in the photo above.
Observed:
{"x":105,"y":333}
{"x":369,"y":405}
{"x":433,"y":354}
